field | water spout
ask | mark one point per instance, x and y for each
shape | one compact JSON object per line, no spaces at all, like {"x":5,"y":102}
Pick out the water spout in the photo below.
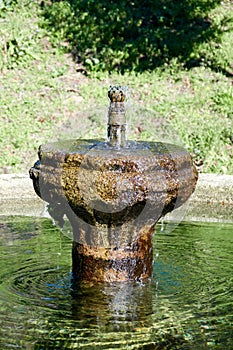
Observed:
{"x":116,"y":131}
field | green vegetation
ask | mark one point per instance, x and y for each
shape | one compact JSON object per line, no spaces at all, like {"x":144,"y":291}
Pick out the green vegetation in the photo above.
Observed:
{"x":139,"y":35}
{"x":175,"y":58}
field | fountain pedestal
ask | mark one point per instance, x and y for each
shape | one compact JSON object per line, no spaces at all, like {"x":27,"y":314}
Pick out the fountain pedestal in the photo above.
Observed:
{"x":108,"y":265}
{"x":113,"y":193}
{"x":113,"y":198}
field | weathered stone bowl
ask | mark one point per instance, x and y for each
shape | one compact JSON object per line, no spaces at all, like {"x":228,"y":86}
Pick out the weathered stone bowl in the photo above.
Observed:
{"x":113,"y":198}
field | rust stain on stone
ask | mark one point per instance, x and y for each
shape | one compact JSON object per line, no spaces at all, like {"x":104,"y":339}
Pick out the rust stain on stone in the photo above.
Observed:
{"x":100,"y":264}
{"x":113,"y":198}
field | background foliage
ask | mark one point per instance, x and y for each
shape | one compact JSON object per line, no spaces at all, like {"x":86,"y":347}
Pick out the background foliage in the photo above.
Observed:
{"x":19,"y":34}
{"x":182,"y":50}
{"x":139,"y":35}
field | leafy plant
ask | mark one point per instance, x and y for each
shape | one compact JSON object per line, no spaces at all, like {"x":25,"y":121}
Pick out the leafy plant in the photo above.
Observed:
{"x":6,"y":5}
{"x":19,"y":35}
{"x":137,"y":35}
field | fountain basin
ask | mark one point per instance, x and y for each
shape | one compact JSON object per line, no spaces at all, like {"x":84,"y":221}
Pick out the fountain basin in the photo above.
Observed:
{"x":113,"y":197}
{"x":40,"y":306}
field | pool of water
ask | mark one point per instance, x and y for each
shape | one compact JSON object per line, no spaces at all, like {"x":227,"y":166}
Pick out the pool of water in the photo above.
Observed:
{"x":187,"y":305}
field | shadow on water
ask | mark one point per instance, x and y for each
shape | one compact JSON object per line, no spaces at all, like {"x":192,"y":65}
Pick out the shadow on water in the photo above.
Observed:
{"x":134,"y":35}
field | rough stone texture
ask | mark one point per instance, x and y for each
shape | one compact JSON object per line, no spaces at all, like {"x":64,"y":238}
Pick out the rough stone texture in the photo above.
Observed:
{"x":211,"y":201}
{"x":102,"y":189}
{"x":123,"y":264}
{"x":113,"y":198}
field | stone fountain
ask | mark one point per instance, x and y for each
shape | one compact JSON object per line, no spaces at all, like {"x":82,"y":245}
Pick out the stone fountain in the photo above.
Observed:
{"x":113,"y":192}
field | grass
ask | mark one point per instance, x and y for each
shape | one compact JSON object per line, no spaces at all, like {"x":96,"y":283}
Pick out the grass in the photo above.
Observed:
{"x":193,"y":108}
{"x":43,"y":97}
{"x":32,"y":102}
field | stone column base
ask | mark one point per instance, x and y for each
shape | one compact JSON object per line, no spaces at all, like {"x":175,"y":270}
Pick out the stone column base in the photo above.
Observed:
{"x":99,"y":264}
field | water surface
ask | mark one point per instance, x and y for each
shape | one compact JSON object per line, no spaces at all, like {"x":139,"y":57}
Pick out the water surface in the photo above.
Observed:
{"x":187,"y":305}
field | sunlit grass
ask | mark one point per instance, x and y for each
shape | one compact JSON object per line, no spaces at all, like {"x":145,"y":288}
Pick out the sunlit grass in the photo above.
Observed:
{"x":44,"y":98}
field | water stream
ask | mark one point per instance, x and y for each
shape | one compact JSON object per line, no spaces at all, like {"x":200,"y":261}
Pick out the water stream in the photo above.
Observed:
{"x":187,"y":305}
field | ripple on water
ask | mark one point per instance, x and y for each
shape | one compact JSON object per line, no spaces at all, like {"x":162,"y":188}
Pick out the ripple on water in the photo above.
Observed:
{"x":188,"y":305}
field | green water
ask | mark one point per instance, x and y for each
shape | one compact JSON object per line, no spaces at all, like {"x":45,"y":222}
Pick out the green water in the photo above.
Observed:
{"x":187,"y":305}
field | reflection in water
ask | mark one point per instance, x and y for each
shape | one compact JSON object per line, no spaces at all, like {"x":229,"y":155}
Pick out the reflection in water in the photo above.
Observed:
{"x":187,"y":305}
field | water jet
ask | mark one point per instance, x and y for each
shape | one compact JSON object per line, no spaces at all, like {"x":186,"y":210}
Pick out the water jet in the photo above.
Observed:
{"x":113,"y":192}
